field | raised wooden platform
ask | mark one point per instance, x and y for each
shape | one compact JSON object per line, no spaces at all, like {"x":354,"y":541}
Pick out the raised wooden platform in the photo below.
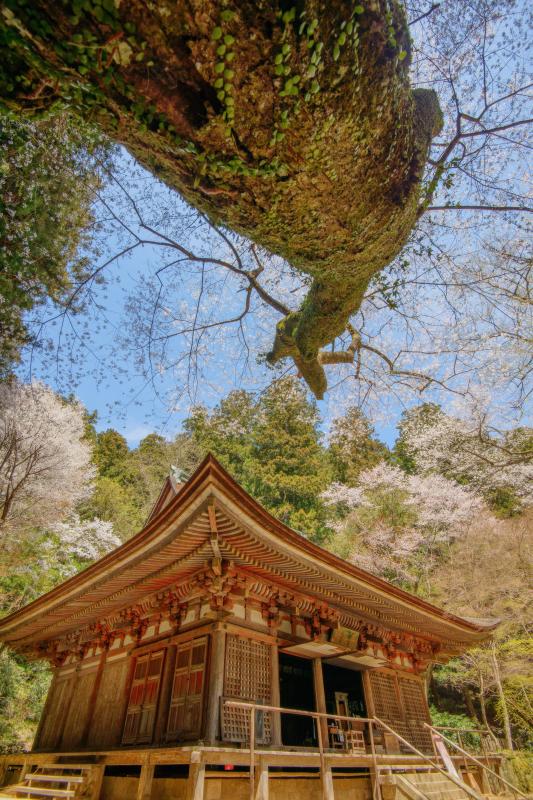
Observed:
{"x":208,"y":764}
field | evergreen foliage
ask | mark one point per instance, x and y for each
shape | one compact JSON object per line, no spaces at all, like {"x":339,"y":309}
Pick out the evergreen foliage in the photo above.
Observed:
{"x":353,"y":447}
{"x":271,"y":445}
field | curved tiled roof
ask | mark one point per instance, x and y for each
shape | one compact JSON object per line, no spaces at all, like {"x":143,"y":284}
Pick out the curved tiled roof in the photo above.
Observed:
{"x":176,"y":542}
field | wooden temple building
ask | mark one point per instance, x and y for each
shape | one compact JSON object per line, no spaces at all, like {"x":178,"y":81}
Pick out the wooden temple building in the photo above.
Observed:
{"x":161,"y":650}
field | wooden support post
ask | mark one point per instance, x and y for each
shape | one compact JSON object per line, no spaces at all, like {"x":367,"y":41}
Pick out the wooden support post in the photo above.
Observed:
{"x":261,"y":780}
{"x":369,"y":698}
{"x":276,"y":700}
{"x":216,"y":685}
{"x":144,"y":789}
{"x":97,"y":780}
{"x":320,"y":700}
{"x":252,"y":752}
{"x":326,"y":776}
{"x":196,"y":781}
{"x":374,"y":771}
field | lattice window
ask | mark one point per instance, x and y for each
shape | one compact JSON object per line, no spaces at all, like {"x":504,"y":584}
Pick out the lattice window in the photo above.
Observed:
{"x":401,"y":703}
{"x":416,"y":712}
{"x":247,"y":676}
{"x":386,"y":701}
{"x":236,"y":724}
{"x":248,"y":672}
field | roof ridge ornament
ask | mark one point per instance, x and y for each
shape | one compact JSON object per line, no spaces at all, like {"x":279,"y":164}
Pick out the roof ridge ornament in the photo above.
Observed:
{"x":178,"y":476}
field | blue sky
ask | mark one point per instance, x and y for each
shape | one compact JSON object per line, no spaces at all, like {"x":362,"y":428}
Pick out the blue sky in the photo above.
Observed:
{"x":88,"y":357}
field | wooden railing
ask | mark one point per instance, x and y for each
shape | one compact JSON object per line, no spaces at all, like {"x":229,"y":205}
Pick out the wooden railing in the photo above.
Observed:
{"x":486,"y":742}
{"x":343,"y":725}
{"x":437,"y":732}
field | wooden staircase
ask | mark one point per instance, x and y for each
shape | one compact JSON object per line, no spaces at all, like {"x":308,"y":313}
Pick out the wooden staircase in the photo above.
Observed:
{"x":57,"y":781}
{"x":426,"y":785}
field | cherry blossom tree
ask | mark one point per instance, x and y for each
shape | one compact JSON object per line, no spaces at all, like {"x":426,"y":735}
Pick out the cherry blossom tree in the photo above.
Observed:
{"x":470,"y":450}
{"x":395,"y":524}
{"x":76,"y":543}
{"x":45,"y":464}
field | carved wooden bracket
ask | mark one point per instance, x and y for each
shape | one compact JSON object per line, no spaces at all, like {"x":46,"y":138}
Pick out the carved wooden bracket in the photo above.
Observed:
{"x":322,"y":620}
{"x":134,"y":617}
{"x":218,"y":582}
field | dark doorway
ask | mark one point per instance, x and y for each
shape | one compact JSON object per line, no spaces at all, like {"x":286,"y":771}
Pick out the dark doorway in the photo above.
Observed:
{"x":344,"y":691}
{"x":297,"y":690}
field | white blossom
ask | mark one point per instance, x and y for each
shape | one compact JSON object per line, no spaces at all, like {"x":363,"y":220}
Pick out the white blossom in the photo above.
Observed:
{"x":45,"y":464}
{"x":454,"y":446}
{"x":85,"y":540}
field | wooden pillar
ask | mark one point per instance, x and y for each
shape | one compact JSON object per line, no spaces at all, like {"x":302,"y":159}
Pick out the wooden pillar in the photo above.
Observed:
{"x":215,"y":686}
{"x":320,"y":698}
{"x":165,"y":695}
{"x":97,"y":781}
{"x":276,"y":717}
{"x":196,"y":780}
{"x":369,"y":699}
{"x":261,"y":780}
{"x":144,"y":789}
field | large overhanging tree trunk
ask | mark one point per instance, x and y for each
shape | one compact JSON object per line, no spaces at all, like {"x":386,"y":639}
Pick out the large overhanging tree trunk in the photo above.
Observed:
{"x":294,"y":125}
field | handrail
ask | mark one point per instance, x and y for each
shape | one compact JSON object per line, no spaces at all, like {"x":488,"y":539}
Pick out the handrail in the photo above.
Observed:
{"x":484,"y":731}
{"x":462,"y":785}
{"x":476,"y":761}
{"x":325,"y":776}
{"x":297,"y":711}
{"x":318,"y":715}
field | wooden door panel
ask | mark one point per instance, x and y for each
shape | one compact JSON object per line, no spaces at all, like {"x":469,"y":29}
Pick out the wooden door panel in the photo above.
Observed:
{"x":186,"y":703}
{"x":144,"y":693}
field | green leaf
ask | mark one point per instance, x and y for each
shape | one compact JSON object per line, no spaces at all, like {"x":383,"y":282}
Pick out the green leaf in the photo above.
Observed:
{"x":217,"y":33}
{"x":289,"y":15}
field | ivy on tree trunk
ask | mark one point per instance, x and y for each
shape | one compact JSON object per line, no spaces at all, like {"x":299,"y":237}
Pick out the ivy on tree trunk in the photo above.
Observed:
{"x":292,"y":123}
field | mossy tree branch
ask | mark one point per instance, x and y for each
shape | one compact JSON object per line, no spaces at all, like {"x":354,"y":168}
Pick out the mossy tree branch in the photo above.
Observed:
{"x":294,"y":125}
